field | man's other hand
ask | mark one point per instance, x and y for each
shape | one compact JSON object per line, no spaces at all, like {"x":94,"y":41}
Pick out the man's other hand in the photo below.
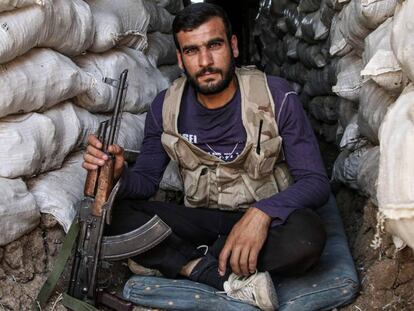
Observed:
{"x":244,"y":243}
{"x":95,"y":157}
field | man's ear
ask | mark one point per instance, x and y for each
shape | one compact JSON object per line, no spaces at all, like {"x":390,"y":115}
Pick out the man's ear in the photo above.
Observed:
{"x":234,"y":46}
{"x":179,"y":59}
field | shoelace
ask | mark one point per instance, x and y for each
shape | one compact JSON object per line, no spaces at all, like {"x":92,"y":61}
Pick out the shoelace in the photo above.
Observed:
{"x":205,"y":248}
{"x":242,"y":288}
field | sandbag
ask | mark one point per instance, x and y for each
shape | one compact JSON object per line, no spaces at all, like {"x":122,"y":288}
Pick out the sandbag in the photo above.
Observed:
{"x":59,"y":192}
{"x":324,"y":108}
{"x":290,"y":46}
{"x":19,"y":213}
{"x":8,"y":5}
{"x":26,"y":82}
{"x":294,"y":72}
{"x":170,"y":72}
{"x":381,"y":64}
{"x":347,"y":110}
{"x":373,"y":106}
{"x":347,"y":165}
{"x":312,"y":56}
{"x":172,"y":6}
{"x":161,"y":49}
{"x":361,"y":16}
{"x":402,"y":38}
{"x":312,"y":29}
{"x":368,"y":174}
{"x":65,"y":26}
{"x":349,"y":79}
{"x":293,"y":19}
{"x":319,"y":81}
{"x":126,"y":22}
{"x":36,"y":142}
{"x":144,"y":80}
{"x":337,"y":4}
{"x":352,"y":139}
{"x":327,"y":13}
{"x":396,"y":171}
{"x":338,"y":44}
{"x":307,"y":6}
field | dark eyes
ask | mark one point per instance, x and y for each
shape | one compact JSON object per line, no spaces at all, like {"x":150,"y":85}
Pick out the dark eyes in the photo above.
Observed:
{"x":211,"y":46}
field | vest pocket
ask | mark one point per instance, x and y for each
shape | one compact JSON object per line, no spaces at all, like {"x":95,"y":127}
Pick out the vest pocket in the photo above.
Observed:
{"x":259,"y":165}
{"x":197,"y":187}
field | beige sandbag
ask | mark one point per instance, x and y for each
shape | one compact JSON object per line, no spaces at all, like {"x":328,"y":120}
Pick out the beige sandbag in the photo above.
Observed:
{"x":349,"y":79}
{"x":381,"y":64}
{"x":8,"y":5}
{"x":18,"y":210}
{"x":373,"y":106}
{"x":144,"y":80}
{"x":402,"y":38}
{"x":338,"y":44}
{"x":396,"y":172}
{"x":39,"y":80}
{"x":65,"y":26}
{"x":161,"y":49}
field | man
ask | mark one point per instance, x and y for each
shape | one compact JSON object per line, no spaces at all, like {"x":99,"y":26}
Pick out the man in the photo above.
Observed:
{"x":234,"y":132}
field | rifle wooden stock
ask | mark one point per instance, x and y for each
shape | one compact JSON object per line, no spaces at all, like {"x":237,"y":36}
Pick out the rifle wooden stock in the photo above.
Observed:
{"x":90,"y":183}
{"x":104,"y":186}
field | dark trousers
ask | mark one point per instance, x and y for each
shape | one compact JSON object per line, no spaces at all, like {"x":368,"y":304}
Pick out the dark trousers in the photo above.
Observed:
{"x":290,"y":249}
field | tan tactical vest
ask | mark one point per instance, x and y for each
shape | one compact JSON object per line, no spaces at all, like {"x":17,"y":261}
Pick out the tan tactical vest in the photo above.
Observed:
{"x":213,"y":183}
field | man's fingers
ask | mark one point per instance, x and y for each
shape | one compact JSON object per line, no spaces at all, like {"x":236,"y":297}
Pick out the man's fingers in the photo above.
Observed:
{"x":89,"y":167}
{"x":235,"y":260}
{"x":94,"y":141}
{"x":252,"y":262}
{"x":224,"y":256}
{"x":92,"y":151}
{"x":115,"y":150}
{"x":92,"y":160}
{"x":244,"y":261}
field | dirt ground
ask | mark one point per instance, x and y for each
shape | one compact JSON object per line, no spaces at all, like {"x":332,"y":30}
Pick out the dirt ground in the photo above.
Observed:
{"x":387,"y":276}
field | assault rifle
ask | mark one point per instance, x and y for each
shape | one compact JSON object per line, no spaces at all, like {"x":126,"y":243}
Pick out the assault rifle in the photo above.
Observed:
{"x":92,"y":247}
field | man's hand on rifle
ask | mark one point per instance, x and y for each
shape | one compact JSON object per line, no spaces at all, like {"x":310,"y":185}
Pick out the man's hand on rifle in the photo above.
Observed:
{"x":94,"y":157}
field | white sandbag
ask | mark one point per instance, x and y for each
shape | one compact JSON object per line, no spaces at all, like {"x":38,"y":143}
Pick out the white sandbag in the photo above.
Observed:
{"x":172,"y":6}
{"x":362,"y":16}
{"x":66,"y":26}
{"x":170,"y":72}
{"x":18,"y":210}
{"x":373,"y":106}
{"x":338,"y":44}
{"x":58,"y":192}
{"x":8,"y":5}
{"x":161,"y":49}
{"x":349,"y":77}
{"x":35,"y":143}
{"x":347,"y":165}
{"x":144,"y":80}
{"x":402,"y":38}
{"x":123,"y":22}
{"x":381,"y":64}
{"x":396,"y":172}
{"x":367,"y":177}
{"x":26,"y":82}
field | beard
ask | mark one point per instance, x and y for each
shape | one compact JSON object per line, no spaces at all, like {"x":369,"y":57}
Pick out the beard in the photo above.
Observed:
{"x":212,"y":87}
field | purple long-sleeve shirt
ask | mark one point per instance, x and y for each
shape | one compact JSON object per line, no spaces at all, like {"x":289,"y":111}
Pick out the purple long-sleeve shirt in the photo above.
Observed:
{"x":221,"y":133}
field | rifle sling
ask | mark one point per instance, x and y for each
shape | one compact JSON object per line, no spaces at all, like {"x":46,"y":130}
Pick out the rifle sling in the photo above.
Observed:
{"x":59,"y":266}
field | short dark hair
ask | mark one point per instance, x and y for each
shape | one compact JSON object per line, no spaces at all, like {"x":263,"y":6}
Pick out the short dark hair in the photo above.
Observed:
{"x":196,"y":14}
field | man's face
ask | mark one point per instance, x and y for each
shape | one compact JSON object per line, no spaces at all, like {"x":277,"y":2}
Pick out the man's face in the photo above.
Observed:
{"x":207,"y":56}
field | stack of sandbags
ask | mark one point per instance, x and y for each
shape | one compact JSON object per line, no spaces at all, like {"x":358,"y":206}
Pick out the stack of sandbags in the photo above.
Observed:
{"x":53,"y":94}
{"x":293,"y":41}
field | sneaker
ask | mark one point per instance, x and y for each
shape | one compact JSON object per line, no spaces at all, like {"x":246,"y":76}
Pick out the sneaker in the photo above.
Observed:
{"x":257,"y":290}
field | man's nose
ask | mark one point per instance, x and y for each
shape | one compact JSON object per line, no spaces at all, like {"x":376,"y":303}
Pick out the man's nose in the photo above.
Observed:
{"x":205,"y":58}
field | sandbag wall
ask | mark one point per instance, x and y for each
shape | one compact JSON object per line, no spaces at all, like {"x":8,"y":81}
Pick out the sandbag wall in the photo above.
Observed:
{"x":351,"y":63}
{"x":53,"y":58}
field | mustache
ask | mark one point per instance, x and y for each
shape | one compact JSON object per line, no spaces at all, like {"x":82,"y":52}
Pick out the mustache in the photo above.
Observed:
{"x":208,"y":70}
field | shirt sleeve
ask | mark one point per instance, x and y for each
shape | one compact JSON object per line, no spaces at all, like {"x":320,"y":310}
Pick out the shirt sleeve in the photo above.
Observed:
{"x":311,"y":187}
{"x":142,"y":180}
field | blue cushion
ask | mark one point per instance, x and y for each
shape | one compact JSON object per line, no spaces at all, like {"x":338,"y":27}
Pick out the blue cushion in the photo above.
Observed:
{"x":332,"y":283}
